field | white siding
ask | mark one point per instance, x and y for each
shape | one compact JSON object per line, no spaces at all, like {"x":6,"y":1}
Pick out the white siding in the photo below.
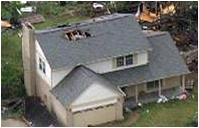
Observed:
{"x":58,"y":75}
{"x":142,"y":58}
{"x":95,"y":94}
{"x":107,"y":65}
{"x":40,"y":54}
{"x":101,"y":67}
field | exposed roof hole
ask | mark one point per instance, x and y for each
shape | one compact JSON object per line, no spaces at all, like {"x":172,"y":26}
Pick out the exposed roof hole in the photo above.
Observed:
{"x":76,"y":34}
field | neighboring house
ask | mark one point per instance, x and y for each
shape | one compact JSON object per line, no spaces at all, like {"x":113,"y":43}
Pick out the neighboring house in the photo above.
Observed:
{"x":87,"y":73}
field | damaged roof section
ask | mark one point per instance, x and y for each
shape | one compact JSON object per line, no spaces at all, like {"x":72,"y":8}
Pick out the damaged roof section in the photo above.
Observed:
{"x":111,"y":37}
{"x":76,"y":34}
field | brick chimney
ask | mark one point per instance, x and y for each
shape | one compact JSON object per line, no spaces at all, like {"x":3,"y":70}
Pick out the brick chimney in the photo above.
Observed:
{"x":28,"y":56}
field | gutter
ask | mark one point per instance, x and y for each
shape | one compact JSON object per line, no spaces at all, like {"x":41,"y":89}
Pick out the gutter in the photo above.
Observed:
{"x":130,"y":84}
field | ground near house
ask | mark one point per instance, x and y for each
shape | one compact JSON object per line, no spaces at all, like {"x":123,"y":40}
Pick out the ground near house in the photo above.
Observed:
{"x":174,"y":113}
{"x":11,"y":122}
{"x":38,"y":116}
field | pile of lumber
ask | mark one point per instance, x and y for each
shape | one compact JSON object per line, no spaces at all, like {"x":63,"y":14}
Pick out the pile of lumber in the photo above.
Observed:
{"x":33,"y":19}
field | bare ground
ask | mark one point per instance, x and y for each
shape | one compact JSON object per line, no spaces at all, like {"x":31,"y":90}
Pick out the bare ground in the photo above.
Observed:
{"x":11,"y":122}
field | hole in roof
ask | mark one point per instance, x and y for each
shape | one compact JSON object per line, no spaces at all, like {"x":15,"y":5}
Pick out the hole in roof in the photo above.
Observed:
{"x":76,"y":34}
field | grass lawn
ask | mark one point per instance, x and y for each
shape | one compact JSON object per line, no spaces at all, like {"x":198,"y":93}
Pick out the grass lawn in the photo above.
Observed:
{"x":59,"y":20}
{"x":11,"y":67}
{"x":55,"y":14}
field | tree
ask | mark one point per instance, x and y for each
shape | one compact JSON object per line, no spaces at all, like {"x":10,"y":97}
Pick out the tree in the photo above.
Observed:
{"x":9,"y":10}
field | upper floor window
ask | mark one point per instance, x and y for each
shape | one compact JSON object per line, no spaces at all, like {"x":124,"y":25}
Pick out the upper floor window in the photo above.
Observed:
{"x":42,"y":66}
{"x":120,"y":61}
{"x":129,"y":59}
{"x":124,"y":60}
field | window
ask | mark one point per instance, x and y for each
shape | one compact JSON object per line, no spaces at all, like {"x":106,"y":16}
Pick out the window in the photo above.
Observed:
{"x":120,"y":61}
{"x":125,"y":60}
{"x":42,"y":66}
{"x":129,"y":60}
{"x":153,"y":85}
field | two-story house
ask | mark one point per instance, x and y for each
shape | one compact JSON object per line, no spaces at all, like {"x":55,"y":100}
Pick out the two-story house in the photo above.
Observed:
{"x":86,"y":73}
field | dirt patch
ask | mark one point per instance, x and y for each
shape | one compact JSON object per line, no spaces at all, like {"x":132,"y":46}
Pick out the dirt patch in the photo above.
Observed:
{"x":132,"y":119}
{"x":13,"y":123}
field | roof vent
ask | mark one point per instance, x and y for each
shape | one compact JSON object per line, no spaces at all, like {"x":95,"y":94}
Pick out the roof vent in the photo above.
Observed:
{"x":76,"y":34}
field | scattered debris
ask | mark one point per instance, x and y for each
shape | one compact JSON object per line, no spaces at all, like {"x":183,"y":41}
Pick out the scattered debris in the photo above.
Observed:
{"x":162,"y":99}
{"x":19,"y":34}
{"x":173,"y":97}
{"x":11,"y":104}
{"x":146,"y":15}
{"x":139,"y":104}
{"x":182,"y":97}
{"x":6,"y":24}
{"x":127,"y":109}
{"x":145,"y":11}
{"x":168,"y":9}
{"x":63,"y":25}
{"x":191,"y":58}
{"x":28,"y":9}
{"x":98,"y":6}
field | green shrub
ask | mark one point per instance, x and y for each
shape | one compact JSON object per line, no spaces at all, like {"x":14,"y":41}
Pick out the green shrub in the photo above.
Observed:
{"x":12,"y":84}
{"x":49,"y":9}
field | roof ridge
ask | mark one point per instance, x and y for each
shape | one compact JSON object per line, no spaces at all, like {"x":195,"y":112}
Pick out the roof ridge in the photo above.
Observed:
{"x":156,"y":34}
{"x":84,"y":23}
{"x":84,"y":68}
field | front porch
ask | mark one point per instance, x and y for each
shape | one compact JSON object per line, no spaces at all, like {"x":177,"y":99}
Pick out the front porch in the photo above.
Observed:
{"x":150,"y":97}
{"x":151,"y":91}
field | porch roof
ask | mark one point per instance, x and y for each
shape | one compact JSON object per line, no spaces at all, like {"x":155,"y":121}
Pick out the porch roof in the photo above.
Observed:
{"x":164,"y":62}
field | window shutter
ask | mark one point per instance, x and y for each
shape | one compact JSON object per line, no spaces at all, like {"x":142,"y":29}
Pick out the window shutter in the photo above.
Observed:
{"x":135,"y":58}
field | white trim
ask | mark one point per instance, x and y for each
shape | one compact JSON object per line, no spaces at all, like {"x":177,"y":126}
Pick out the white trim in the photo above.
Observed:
{"x":124,"y":94}
{"x":126,"y":85}
{"x":98,"y":104}
{"x":136,"y":94}
{"x":159,"y":92}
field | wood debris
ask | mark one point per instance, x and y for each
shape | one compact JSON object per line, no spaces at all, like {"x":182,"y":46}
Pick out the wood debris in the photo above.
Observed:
{"x":33,"y":19}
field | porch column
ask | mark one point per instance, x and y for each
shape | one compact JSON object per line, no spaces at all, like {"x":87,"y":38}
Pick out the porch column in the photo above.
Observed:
{"x":159,"y":92}
{"x":136,"y":93}
{"x":183,"y":83}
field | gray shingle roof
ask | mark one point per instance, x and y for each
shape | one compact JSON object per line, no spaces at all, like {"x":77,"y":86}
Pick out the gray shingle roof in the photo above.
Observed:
{"x":109,"y":38}
{"x":164,"y":61}
{"x":79,"y":79}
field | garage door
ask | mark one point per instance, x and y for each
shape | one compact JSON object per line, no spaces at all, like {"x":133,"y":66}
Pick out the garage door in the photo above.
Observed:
{"x":95,"y":116}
